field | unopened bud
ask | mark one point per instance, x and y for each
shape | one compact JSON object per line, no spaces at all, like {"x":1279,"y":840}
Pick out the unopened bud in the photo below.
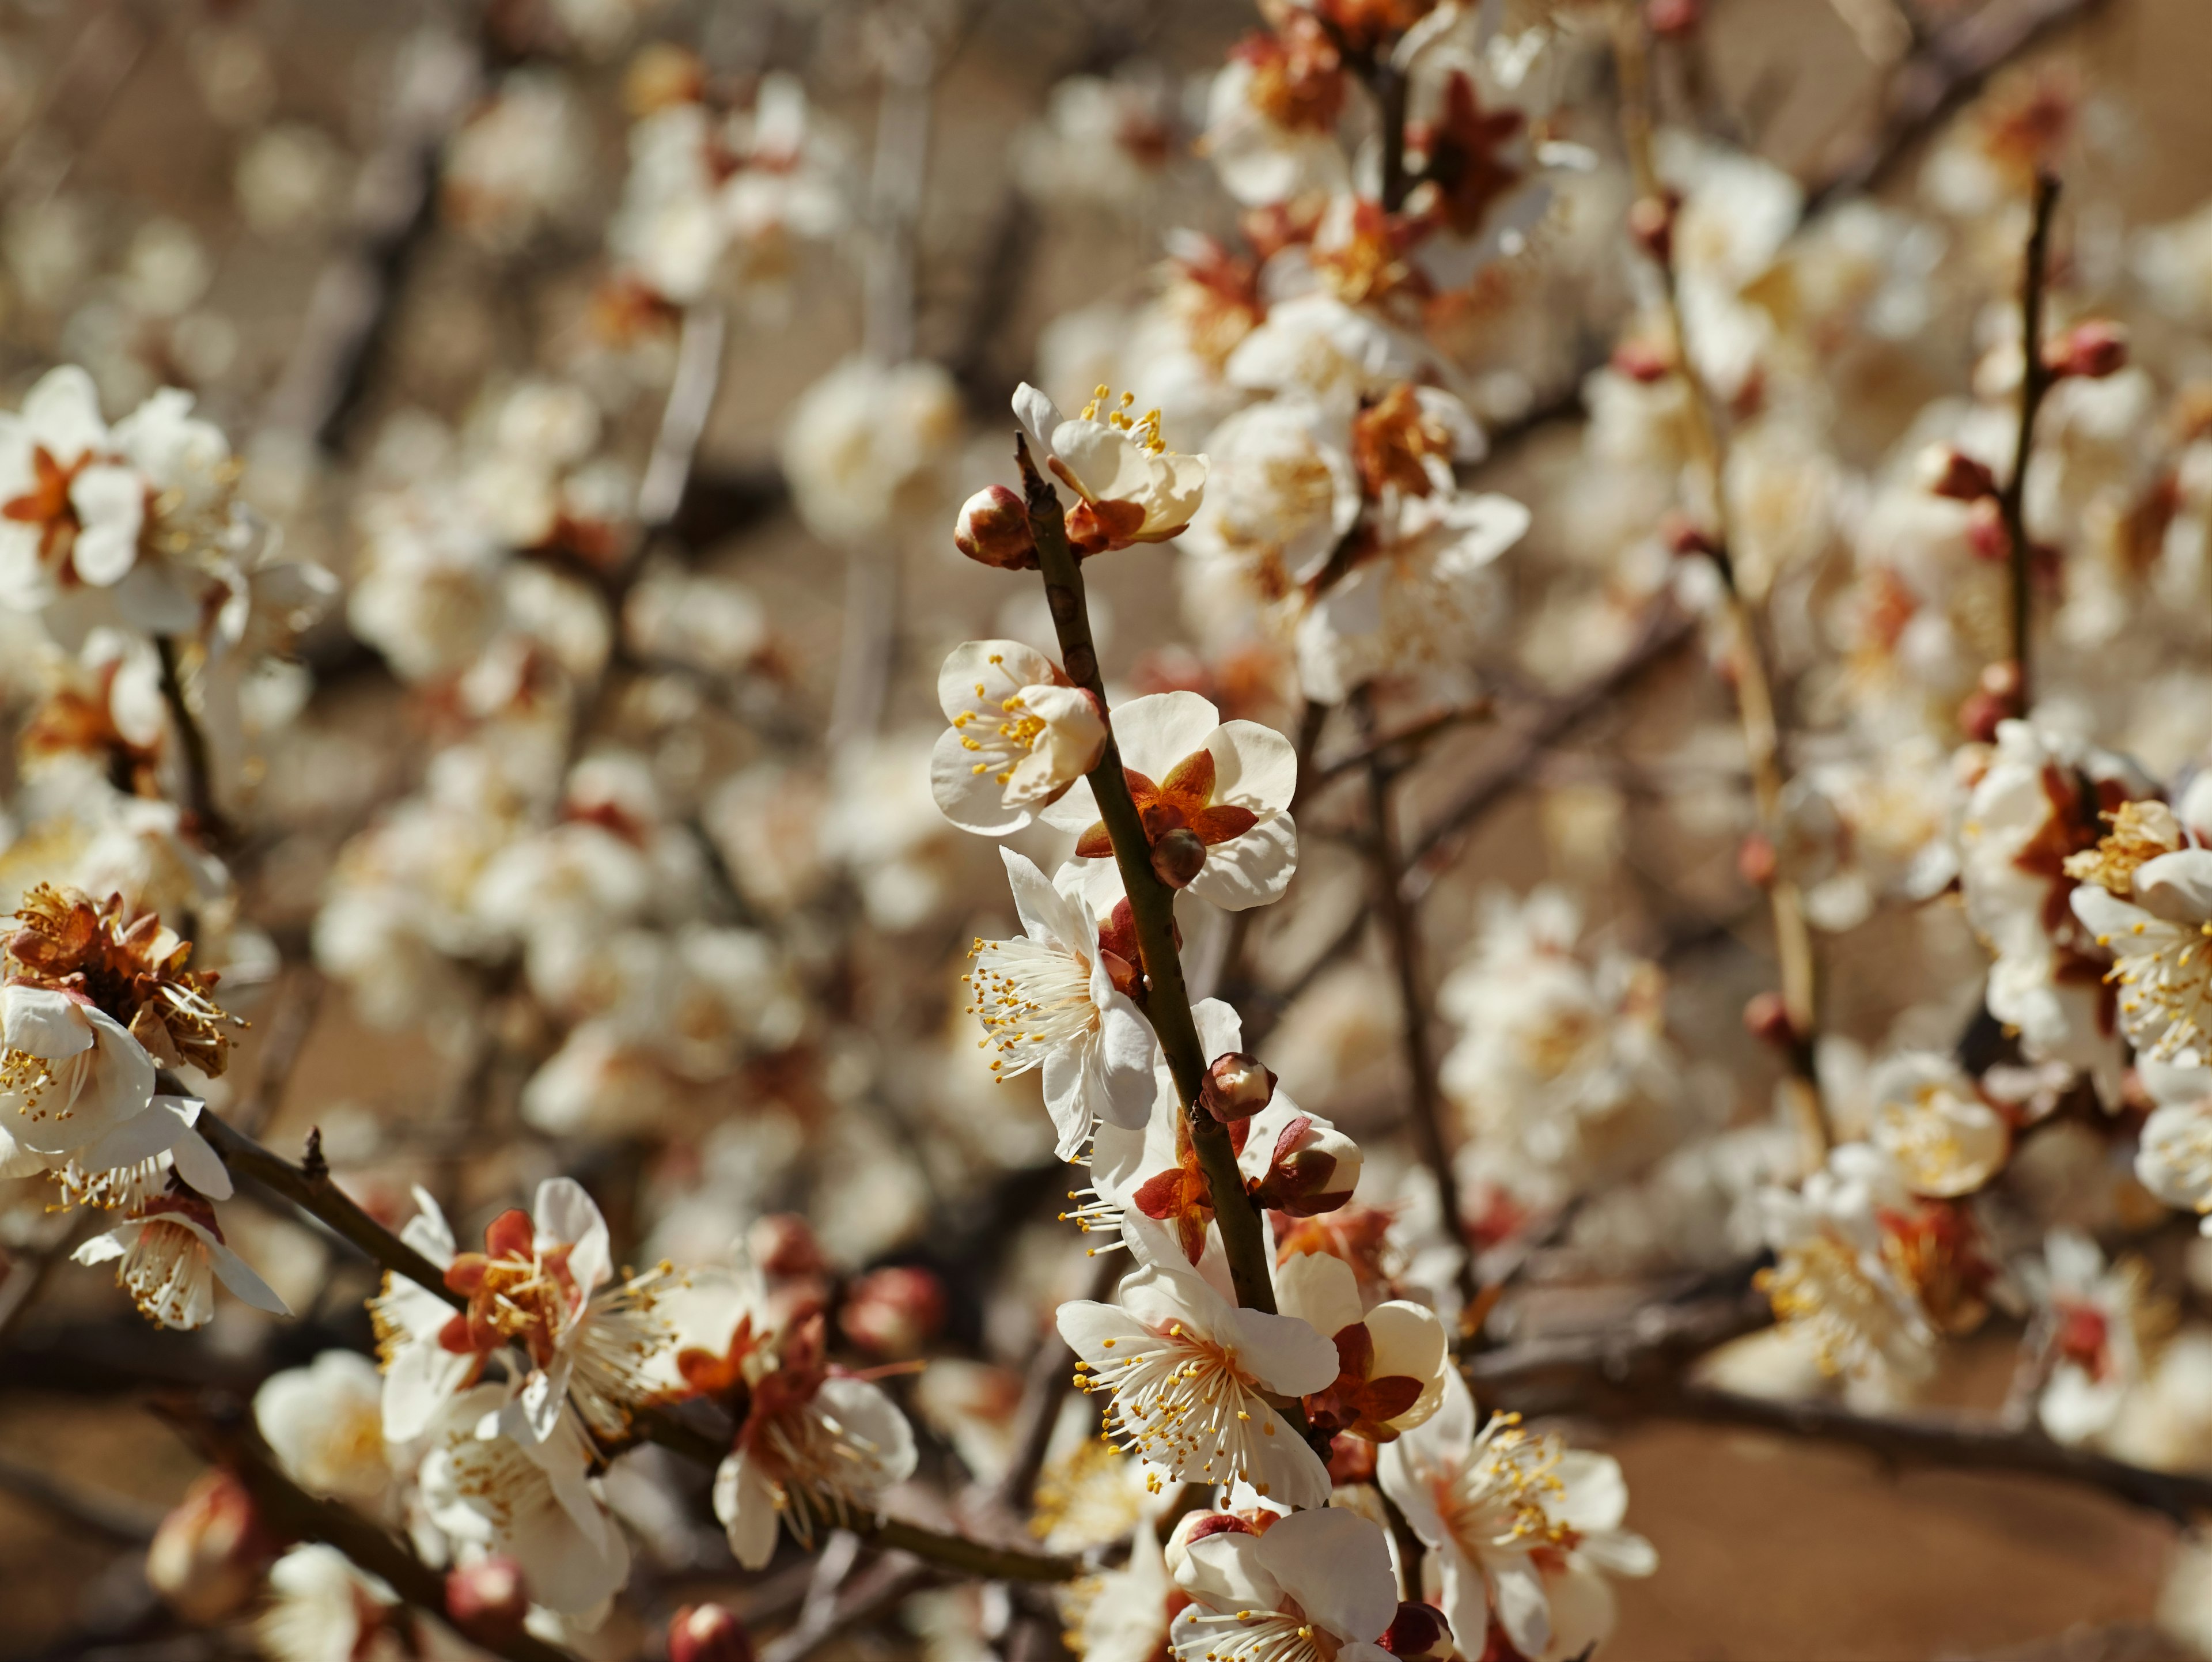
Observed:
{"x":707,"y":1633}
{"x":1686,"y":538}
{"x":1953,"y":473}
{"x":1996,"y":698}
{"x":489,"y":1599}
{"x":783,"y":1244}
{"x":1642,"y":361}
{"x":893,"y":1311}
{"x":1237,"y":1086}
{"x":1350,"y":1460}
{"x":1651,"y":223}
{"x":1986,"y":536}
{"x":2095,"y":348}
{"x":1766,"y":1016}
{"x":1178,"y":856}
{"x":1419,"y":1633}
{"x":207,"y":1557}
{"x":1314,"y":1168}
{"x":1755,"y":861}
{"x":993,"y":529}
{"x":1674,"y":17}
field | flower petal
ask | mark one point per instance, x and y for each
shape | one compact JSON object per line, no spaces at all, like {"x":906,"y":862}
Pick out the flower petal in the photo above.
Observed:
{"x":47,"y":1025}
{"x":239,"y":1277}
{"x":1250,"y":870}
{"x":565,"y":1213}
{"x":1160,"y":729}
{"x":1283,"y":1353}
{"x":972,"y":801}
{"x":1320,"y":1290}
{"x":1254,"y":767}
{"x":1046,"y":915}
{"x":745,"y":1500}
{"x":1040,"y":418}
{"x":111,"y":505}
{"x":1337,"y":1565}
{"x":1126,"y":1050}
{"x":143,"y":1136}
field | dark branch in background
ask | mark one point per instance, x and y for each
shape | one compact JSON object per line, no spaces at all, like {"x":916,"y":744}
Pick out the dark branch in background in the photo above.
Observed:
{"x":199,"y":772}
{"x":1049,"y":1380}
{"x":1423,"y":1102}
{"x":308,"y":1186}
{"x":120,"y":1518}
{"x":221,"y":1433}
{"x":1942,"y":73}
{"x":2035,"y":379}
{"x":1152,"y":902}
{"x":393,"y":199}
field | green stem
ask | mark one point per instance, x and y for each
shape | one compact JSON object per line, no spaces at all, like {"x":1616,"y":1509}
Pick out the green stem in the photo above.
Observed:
{"x":1152,"y":902}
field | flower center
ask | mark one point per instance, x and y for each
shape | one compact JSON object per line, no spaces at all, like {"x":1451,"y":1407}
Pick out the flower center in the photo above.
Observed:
{"x":1030,"y":996}
{"x":1181,"y":1400}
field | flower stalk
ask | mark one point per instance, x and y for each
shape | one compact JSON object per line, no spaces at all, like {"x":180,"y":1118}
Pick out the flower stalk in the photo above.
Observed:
{"x":2035,"y":379}
{"x":1152,"y":902}
{"x":1755,"y":707}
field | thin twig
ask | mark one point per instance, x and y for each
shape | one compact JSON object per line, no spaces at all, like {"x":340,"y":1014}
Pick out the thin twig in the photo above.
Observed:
{"x":223,"y":1434}
{"x":117,"y":1517}
{"x":2035,"y":379}
{"x":1152,"y":902}
{"x":192,"y":740}
{"x":1423,"y":1101}
{"x":691,"y":391}
{"x":1754,"y":683}
{"x":1394,"y":750}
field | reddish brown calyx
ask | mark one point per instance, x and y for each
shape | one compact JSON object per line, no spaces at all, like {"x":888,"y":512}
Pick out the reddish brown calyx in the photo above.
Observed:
{"x":1299,"y":1176}
{"x":46,"y":505}
{"x":1355,"y":1404}
{"x":1392,"y":440}
{"x":516,"y":1294}
{"x":1119,"y":951}
{"x":1460,"y":158}
{"x":1419,"y":1633}
{"x":1095,"y":527}
{"x":1180,"y":1196}
{"x":1182,"y":802}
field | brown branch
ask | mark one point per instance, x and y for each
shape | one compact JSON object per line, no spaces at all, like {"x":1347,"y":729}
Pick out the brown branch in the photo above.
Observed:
{"x":1395,"y":751}
{"x":222,"y":1434}
{"x":1424,"y":1101}
{"x":308,"y":1186}
{"x":191,"y":739}
{"x":392,"y":207}
{"x":1943,"y":72}
{"x":882,"y":1585}
{"x":120,"y":1518}
{"x":1754,"y":679}
{"x":2035,"y":380}
{"x":1152,"y":902}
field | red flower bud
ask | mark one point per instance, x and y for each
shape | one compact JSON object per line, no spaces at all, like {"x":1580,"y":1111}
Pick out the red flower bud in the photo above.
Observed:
{"x":707,"y":1633}
{"x":1674,"y":17}
{"x":1351,"y":1459}
{"x":1641,"y":361}
{"x":488,"y":1600}
{"x":1986,"y":535}
{"x":894,"y":1312}
{"x":1954,"y":474}
{"x":1685,"y":538}
{"x":1651,"y":223}
{"x":783,"y":1244}
{"x":207,"y":1557}
{"x":2095,"y":348}
{"x":1237,"y":1086}
{"x":1755,"y":861}
{"x":1767,"y":1015}
{"x":1418,"y":1633}
{"x":1178,"y":857}
{"x":993,"y":529}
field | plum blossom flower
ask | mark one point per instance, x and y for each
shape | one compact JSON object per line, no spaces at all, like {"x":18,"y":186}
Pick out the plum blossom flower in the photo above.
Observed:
{"x":1229,"y":782}
{"x":2156,"y":930}
{"x":543,"y":1282}
{"x":1315,"y":1586}
{"x":1282,"y":491}
{"x":1518,"y":1527}
{"x":496,"y":1486}
{"x":1391,"y":1360}
{"x":1133,"y":489}
{"x":2101,"y":1323}
{"x":2173,"y":1159}
{"x":1272,"y":112}
{"x":322,"y":1608}
{"x":1832,"y":1274}
{"x":1049,"y":999}
{"x":173,"y":1253}
{"x":324,"y":1423}
{"x":815,"y":1448}
{"x":72,"y":1075}
{"x":1928,"y":1117}
{"x":1020,"y":736}
{"x":1188,"y":1371}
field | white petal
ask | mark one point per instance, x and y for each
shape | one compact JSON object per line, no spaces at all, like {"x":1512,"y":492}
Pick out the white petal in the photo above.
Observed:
{"x":745,"y":1500}
{"x":1040,"y":418}
{"x":427,"y":1232}
{"x":1597,"y":1494}
{"x":1160,"y":729}
{"x":1522,"y":1609}
{"x":200,"y":1165}
{"x":1283,"y":1353}
{"x":1092,"y":1329}
{"x":1320,"y":1290}
{"x":239,"y":1276}
{"x":1226,"y":1572}
{"x":1220,"y":1029}
{"x":1047,"y":913}
{"x":971,"y":663}
{"x":870,"y":1421}
{"x":972,"y":801}
{"x":1410,"y":1341}
{"x":62,"y":412}
{"x":143,"y":1136}
{"x":2177,"y":887}
{"x":1337,"y":1565}
{"x":567,"y":1214}
{"x":1075,"y":810}
{"x":1126,"y":1050}
{"x":1067,"y":1097}
{"x":48,"y":1024}
{"x":1254,"y":767}
{"x":1250,"y":870}
{"x":101,"y":1248}
{"x":111,"y":505}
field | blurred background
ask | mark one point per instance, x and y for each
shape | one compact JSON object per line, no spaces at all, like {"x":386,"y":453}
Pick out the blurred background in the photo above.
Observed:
{"x":391,"y":250}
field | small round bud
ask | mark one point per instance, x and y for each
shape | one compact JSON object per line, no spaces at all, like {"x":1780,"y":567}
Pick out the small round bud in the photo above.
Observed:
{"x":783,"y":1244}
{"x":993,"y":529}
{"x":1351,"y":1459}
{"x":893,"y":1311}
{"x":1686,"y":538}
{"x":1755,"y":860}
{"x":1952,"y":473}
{"x":1642,"y":361}
{"x":489,"y":1599}
{"x":1237,"y":1086}
{"x":2095,"y":348}
{"x":1651,"y":223}
{"x":207,"y":1557}
{"x":1178,"y":856}
{"x":1419,"y":1633}
{"x":707,"y":1633}
{"x":1766,"y":1016}
{"x":1986,"y":536}
{"x":1995,"y":699}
